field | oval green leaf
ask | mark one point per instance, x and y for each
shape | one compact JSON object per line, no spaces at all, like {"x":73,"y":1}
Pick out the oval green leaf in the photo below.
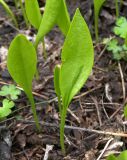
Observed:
{"x":21,"y":63}
{"x":54,"y":11}
{"x":63,"y":19}
{"x":33,"y":12}
{"x":77,"y":58}
{"x":77,"y":61}
{"x":122,"y":156}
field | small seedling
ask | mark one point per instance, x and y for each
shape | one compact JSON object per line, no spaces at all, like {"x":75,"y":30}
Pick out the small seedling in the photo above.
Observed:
{"x":122,"y":156}
{"x":54,"y":11}
{"x":8,"y":10}
{"x":5,"y":110}
{"x":119,"y":49}
{"x":121,"y":27}
{"x":77,"y":61}
{"x":21,"y":63}
{"x":11,"y":92}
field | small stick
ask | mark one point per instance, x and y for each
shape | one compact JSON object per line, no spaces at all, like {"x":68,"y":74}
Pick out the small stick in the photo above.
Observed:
{"x":87,"y":92}
{"x":48,"y":148}
{"x":98,"y":111}
{"x":117,"y":134}
{"x":106,"y":146}
{"x":73,"y":115}
{"x":122,"y":80}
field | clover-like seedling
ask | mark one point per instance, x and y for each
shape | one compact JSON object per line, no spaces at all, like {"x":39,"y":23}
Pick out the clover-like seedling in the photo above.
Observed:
{"x":77,"y":61}
{"x":122,"y":156}
{"x":10,"y":91}
{"x":121,"y":27}
{"x":5,"y":110}
{"x":119,"y":49}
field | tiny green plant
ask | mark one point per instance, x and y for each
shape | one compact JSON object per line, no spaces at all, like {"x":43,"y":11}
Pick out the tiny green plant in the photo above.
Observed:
{"x":21,"y":63}
{"x":77,"y":61}
{"x":8,"y":10}
{"x":121,"y":27}
{"x":97,"y":6}
{"x":122,"y":156}
{"x":119,"y":49}
{"x":54,"y":11}
{"x":5,"y":109}
{"x":10,"y":92}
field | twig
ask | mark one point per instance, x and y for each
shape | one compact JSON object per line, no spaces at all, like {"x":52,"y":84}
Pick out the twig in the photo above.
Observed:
{"x":122,"y":80}
{"x":120,"y":134}
{"x":48,"y":148}
{"x":98,"y":111}
{"x":87,"y":92}
{"x":73,"y":115}
{"x":106,"y":146}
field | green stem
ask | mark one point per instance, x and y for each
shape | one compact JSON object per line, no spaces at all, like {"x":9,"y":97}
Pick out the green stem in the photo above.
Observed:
{"x":34,"y":112}
{"x":24,"y":13}
{"x":62,"y":124}
{"x":8,"y":10}
{"x":117,"y":8}
{"x":16,"y":4}
{"x":59,"y":105}
{"x":44,"y":49}
{"x":96,"y":29}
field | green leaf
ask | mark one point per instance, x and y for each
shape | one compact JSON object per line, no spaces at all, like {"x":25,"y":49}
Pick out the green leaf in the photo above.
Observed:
{"x":57,"y":84}
{"x":33,"y":12}
{"x":11,"y":91}
{"x":50,"y":17}
{"x":57,"y":79}
{"x":113,"y":46}
{"x":121,"y":27}
{"x":63,"y":19}
{"x":122,"y":156}
{"x":111,"y":157}
{"x":8,"y":10}
{"x":97,"y":6}
{"x":125,"y":111}
{"x":21,"y":63}
{"x":5,"y":110}
{"x":77,"y":61}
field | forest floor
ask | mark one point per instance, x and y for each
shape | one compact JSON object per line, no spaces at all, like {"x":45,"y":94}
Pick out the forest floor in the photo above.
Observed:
{"x":97,"y":108}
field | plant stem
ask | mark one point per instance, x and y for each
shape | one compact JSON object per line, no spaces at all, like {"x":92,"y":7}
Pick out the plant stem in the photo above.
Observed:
{"x":96,"y":30}
{"x":24,"y":13}
{"x":8,"y":10}
{"x":59,"y":104}
{"x":16,"y":4}
{"x":34,"y":112}
{"x":44,"y":49}
{"x":62,"y":125}
{"x":117,"y":8}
